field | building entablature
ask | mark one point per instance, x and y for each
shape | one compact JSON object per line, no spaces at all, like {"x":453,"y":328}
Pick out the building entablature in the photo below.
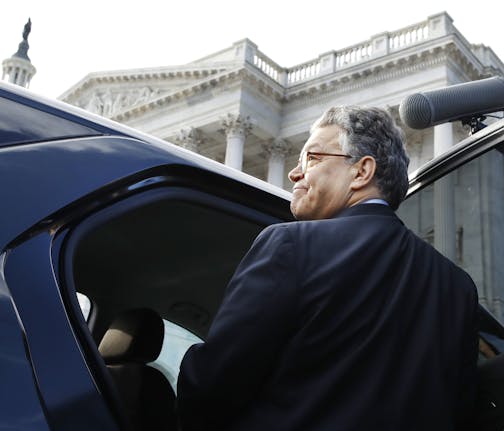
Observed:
{"x":246,"y":73}
{"x":140,"y":77}
{"x":179,"y":94}
{"x":140,"y":98}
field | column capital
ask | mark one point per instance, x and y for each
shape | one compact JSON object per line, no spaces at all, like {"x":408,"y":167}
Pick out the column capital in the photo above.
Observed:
{"x":277,"y":148}
{"x":236,"y":125}
{"x":413,"y":143}
{"x":190,"y":139}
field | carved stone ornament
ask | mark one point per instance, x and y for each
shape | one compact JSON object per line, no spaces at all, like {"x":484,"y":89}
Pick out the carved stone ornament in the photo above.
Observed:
{"x":190,"y":139}
{"x":236,"y":125}
{"x":413,"y":144}
{"x":277,"y":148}
{"x":109,"y":104}
{"x":95,"y":104}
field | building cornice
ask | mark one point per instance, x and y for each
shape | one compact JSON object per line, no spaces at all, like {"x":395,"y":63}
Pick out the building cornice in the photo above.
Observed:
{"x":180,"y":94}
{"x":263,"y":83}
{"x":140,"y":75}
{"x":351,"y":79}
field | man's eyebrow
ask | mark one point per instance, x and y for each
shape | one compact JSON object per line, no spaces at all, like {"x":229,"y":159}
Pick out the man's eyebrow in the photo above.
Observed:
{"x":315,"y":146}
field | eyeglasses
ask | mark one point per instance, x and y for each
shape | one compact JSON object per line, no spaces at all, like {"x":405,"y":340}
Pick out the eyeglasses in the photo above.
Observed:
{"x":306,"y":158}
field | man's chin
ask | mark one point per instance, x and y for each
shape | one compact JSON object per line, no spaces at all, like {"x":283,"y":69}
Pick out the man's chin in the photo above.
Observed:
{"x":298,"y":213}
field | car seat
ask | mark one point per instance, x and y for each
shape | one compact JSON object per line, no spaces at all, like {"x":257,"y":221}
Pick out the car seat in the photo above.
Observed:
{"x":134,"y":339}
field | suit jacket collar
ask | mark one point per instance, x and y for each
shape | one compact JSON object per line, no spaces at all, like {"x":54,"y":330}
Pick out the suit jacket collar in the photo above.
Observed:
{"x":367,"y":209}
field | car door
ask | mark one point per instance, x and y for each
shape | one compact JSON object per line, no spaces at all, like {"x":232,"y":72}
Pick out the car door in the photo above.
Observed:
{"x":67,"y":391}
{"x":21,"y":406}
{"x":32,"y":368}
{"x":167,"y":242}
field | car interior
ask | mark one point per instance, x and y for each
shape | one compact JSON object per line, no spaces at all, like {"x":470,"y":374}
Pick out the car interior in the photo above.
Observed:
{"x":150,"y":260}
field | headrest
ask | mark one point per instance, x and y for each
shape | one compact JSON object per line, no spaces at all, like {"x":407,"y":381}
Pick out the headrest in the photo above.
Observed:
{"x":134,"y":336}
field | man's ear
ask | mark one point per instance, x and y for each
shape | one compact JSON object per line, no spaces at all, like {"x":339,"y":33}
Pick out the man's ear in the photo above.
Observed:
{"x":363,"y":172}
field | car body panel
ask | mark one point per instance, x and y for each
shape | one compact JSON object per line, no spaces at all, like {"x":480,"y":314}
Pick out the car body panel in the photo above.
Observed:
{"x":51,"y":175}
{"x":70,"y":395}
{"x":20,"y":409}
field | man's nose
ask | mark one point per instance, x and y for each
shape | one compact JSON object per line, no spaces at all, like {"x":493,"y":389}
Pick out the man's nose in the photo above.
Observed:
{"x":295,"y":175}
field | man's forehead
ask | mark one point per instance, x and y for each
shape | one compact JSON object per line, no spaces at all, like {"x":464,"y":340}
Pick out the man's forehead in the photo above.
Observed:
{"x":323,"y":138}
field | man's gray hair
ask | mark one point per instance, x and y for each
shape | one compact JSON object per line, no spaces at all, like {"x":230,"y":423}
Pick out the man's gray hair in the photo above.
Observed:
{"x":373,"y":132}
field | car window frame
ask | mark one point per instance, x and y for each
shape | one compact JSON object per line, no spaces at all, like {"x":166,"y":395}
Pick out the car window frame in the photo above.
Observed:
{"x":68,"y":238}
{"x":459,"y":154}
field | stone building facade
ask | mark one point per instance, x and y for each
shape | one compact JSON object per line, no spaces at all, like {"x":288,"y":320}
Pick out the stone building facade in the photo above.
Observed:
{"x":239,"y":107}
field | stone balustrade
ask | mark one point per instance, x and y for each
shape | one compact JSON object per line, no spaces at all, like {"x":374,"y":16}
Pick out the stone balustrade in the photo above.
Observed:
{"x":303,"y":71}
{"x":377,"y":46}
{"x":269,"y":67}
{"x":353,"y":54}
{"x":408,"y":36}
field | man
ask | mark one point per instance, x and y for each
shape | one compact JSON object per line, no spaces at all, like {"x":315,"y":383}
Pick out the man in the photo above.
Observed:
{"x":344,"y":320}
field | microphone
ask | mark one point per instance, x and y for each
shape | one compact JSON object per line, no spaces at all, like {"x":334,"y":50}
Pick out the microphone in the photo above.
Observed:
{"x":456,"y":102}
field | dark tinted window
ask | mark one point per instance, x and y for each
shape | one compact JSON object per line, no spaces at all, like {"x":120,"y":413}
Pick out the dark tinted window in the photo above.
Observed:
{"x":20,"y":123}
{"x":171,"y":250}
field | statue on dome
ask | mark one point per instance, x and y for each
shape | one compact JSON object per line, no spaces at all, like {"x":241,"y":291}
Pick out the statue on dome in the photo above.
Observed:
{"x":27,"y":30}
{"x":22,"y":51}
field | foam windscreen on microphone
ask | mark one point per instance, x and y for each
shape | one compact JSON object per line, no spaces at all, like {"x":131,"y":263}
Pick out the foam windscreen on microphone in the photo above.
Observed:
{"x":427,"y":109}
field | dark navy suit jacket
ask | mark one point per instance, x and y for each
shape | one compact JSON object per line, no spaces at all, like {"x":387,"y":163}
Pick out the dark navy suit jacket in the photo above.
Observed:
{"x":352,"y":323}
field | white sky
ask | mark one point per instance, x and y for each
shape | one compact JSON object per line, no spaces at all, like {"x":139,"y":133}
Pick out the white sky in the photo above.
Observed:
{"x":69,"y":39}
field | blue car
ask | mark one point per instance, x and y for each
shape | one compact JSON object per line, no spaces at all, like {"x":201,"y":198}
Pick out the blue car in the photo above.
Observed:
{"x":116,"y":248}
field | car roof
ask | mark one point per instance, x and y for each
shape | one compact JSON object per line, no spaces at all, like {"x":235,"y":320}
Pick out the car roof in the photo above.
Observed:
{"x":167,"y":148}
{"x":42,"y":177}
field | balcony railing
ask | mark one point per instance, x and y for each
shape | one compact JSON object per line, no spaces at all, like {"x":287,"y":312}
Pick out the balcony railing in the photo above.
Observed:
{"x":408,"y":36}
{"x":354,"y":54}
{"x":268,"y":66}
{"x":374,"y":47}
{"x":304,"y":71}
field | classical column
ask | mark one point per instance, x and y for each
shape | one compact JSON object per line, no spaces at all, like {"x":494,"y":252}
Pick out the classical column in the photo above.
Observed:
{"x":236,"y":129}
{"x":190,"y":139}
{"x":414,"y":143}
{"x":276,"y":150}
{"x":444,"y":200}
